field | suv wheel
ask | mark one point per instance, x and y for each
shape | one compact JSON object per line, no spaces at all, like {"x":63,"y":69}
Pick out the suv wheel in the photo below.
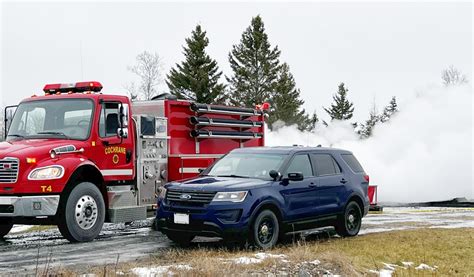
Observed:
{"x":265,"y":230}
{"x":81,"y":213}
{"x":180,"y":239}
{"x":5,"y":226}
{"x":349,"y":224}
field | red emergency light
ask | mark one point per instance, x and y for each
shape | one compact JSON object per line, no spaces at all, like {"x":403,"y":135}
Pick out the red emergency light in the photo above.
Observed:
{"x":73,"y":87}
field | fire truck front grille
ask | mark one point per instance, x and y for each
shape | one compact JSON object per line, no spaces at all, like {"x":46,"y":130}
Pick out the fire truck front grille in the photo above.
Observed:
{"x":9,"y":170}
{"x":190,"y":197}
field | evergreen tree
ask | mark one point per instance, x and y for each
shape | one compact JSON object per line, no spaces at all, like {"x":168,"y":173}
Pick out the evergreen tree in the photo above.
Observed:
{"x":286,"y":103}
{"x":197,"y":77}
{"x":366,"y":129}
{"x":389,"y":110}
{"x":255,"y":66}
{"x":341,"y":109}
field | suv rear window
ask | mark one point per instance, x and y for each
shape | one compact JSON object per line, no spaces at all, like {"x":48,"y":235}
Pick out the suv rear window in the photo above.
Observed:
{"x":325,"y":165}
{"x":352,"y":162}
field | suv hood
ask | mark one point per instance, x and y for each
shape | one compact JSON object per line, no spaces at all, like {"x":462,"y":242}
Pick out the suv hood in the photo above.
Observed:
{"x":210,"y":183}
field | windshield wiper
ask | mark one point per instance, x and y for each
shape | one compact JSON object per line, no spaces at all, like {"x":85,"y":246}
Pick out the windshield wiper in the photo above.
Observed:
{"x":233,"y":175}
{"x":15,"y":135}
{"x":53,"y":133}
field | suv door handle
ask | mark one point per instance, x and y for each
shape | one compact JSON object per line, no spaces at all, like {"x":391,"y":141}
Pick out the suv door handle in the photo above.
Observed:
{"x":343,"y":181}
{"x":312,"y":185}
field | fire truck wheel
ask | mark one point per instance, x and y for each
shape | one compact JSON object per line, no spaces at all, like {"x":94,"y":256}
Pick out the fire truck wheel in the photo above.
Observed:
{"x":82,"y":213}
{"x":180,"y":239}
{"x":5,"y":226}
{"x":265,"y":230}
{"x":349,"y":223}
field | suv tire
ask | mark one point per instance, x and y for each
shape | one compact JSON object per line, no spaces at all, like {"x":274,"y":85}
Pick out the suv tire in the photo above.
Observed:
{"x":181,"y":239}
{"x":349,"y":223}
{"x":81,"y":213}
{"x":6,"y":225}
{"x":265,"y":230}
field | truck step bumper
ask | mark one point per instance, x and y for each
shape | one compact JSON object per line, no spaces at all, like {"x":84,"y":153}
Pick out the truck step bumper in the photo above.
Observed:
{"x":127,"y":214}
{"x":28,"y":206}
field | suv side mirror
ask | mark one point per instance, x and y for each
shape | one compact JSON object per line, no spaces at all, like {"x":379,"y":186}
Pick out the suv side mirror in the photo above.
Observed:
{"x":295,"y":176}
{"x":274,"y":174}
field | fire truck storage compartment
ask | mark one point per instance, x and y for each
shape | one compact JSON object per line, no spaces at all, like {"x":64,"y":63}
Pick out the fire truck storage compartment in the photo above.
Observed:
{"x":198,"y":134}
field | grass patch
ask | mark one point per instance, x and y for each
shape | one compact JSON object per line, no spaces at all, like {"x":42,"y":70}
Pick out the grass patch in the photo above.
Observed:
{"x":450,"y":250}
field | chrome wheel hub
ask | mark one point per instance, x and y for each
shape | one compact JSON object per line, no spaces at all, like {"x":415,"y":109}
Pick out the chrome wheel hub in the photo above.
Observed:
{"x":351,"y":218}
{"x":86,"y":212}
{"x":264,"y":230}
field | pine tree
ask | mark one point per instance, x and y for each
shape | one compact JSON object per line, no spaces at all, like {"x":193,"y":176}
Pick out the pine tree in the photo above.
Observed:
{"x":341,"y":109}
{"x":255,"y":66}
{"x":389,"y":110}
{"x":197,"y":77}
{"x":286,"y":102}
{"x":366,"y":129}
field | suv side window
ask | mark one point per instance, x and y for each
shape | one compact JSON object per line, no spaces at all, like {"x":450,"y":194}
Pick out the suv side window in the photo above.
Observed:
{"x":352,"y":162}
{"x":300,"y":163}
{"x":325,"y":165}
{"x":108,"y":122}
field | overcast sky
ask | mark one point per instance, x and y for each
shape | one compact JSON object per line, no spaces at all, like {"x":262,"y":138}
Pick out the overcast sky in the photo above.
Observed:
{"x":377,"y":49}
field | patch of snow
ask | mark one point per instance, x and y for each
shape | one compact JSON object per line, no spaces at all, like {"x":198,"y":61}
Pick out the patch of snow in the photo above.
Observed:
{"x":247,"y":260}
{"x":425,"y":267}
{"x":19,"y":228}
{"x":158,"y":270}
{"x":385,"y":273}
{"x":266,"y":255}
{"x":315,"y":262}
{"x":408,"y":264}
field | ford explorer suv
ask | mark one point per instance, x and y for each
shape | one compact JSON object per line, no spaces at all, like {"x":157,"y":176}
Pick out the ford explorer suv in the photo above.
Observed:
{"x":259,"y":194}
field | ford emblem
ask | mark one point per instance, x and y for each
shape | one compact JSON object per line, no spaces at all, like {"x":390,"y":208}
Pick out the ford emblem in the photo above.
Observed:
{"x":185,"y":197}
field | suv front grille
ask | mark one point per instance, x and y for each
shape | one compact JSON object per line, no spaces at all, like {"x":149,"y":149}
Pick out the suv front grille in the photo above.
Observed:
{"x":188,"y":197}
{"x":9,"y":170}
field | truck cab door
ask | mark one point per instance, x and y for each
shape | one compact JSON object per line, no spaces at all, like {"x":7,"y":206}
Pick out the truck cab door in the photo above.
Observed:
{"x":116,"y":158}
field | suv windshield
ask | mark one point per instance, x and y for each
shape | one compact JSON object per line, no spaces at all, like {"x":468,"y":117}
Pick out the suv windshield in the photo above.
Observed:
{"x":247,"y":165}
{"x":62,"y":118}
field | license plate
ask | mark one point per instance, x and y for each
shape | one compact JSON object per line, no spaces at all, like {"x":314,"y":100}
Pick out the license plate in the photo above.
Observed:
{"x":181,"y":218}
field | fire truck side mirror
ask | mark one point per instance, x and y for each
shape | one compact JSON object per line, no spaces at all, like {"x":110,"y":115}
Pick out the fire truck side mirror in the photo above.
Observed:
{"x":122,"y":131}
{"x":8,"y":117}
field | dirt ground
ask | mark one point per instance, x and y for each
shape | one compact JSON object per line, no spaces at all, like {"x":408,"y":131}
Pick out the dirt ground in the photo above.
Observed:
{"x":27,"y":252}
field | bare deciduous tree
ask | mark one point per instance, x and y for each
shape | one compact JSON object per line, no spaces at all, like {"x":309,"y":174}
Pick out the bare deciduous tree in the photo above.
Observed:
{"x":149,"y":69}
{"x":452,"y":76}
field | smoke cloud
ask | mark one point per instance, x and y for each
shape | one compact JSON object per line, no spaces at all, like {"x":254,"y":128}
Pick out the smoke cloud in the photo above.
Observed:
{"x":424,"y":153}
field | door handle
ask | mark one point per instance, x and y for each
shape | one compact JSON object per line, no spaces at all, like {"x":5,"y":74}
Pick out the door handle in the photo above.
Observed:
{"x":343,"y":181}
{"x":312,"y":185}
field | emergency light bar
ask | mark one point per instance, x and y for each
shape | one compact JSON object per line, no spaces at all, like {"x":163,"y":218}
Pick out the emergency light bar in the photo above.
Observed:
{"x":73,"y":87}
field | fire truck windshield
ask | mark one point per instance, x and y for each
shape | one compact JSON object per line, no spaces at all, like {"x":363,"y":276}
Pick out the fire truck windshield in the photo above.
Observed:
{"x":58,"y":118}
{"x":247,"y":165}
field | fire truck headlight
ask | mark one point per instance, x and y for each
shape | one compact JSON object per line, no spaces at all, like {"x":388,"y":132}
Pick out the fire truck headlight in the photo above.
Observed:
{"x":231,"y":196}
{"x":47,"y":173}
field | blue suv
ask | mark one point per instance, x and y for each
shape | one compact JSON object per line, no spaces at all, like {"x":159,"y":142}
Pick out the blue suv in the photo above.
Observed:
{"x":259,"y":194}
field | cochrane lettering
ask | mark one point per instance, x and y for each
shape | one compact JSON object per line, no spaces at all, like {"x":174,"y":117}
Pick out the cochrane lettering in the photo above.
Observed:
{"x":115,"y":150}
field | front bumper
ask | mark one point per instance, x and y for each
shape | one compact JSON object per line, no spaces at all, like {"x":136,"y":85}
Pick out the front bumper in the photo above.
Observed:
{"x":28,"y":206}
{"x":205,"y":221}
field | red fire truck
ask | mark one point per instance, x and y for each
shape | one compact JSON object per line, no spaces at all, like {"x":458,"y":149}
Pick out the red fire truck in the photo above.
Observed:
{"x":77,"y":158}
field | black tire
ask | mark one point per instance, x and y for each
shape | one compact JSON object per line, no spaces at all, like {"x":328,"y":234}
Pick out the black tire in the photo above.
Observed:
{"x":181,"y":239}
{"x":81,"y":213}
{"x":265,"y":230}
{"x":349,"y":223}
{"x":6,"y":225}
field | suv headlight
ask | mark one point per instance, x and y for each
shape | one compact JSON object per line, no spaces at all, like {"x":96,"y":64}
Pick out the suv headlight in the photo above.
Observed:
{"x":162,"y":193}
{"x":47,"y":173}
{"x":232,"y":196}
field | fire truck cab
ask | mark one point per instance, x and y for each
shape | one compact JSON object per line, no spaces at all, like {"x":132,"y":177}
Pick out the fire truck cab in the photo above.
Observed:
{"x":77,"y":158}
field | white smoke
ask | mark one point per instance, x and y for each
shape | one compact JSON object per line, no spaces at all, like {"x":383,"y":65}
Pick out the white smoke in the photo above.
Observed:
{"x":424,"y":153}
